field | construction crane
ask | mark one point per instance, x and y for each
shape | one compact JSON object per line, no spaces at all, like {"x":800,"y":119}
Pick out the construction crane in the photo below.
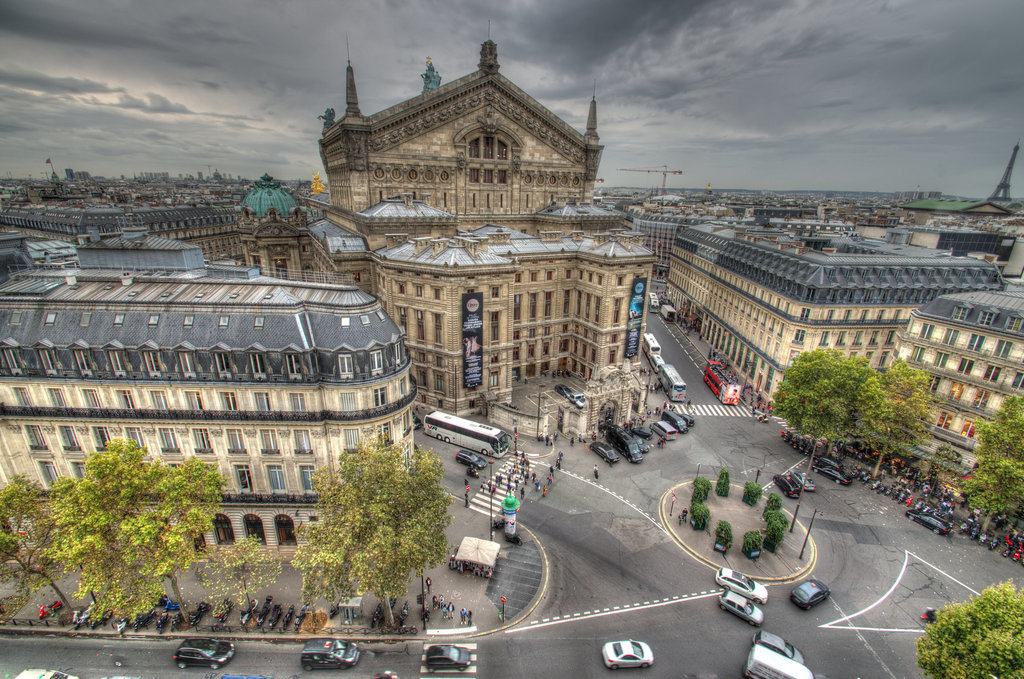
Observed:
{"x":662,"y":169}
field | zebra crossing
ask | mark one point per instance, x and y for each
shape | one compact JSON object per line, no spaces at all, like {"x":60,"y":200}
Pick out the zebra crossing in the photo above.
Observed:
{"x":718,"y":410}
{"x":440,"y":672}
{"x":487,"y":503}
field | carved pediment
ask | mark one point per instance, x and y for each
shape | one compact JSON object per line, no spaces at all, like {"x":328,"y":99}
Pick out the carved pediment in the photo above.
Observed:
{"x":490,"y":107}
{"x":275,"y":230}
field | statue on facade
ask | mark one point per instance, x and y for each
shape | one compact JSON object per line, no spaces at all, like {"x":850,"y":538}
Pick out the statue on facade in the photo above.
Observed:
{"x":431,"y":78}
{"x":328,"y":118}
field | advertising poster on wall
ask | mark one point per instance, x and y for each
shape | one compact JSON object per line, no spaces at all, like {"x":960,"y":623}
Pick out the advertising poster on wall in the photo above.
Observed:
{"x":472,"y":339}
{"x":636,"y":317}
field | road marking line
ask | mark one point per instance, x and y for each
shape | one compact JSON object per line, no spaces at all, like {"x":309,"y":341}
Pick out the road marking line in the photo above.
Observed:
{"x":944,"y":573}
{"x":603,"y":614}
{"x":879,"y":629}
{"x":906,"y":560}
{"x":864,"y":641}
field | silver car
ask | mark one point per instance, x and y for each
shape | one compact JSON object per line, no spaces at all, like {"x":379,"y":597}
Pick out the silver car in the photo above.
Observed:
{"x":741,"y":607}
{"x":779,"y":645}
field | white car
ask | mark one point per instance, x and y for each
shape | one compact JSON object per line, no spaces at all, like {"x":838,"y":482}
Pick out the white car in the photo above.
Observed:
{"x":627,"y":653}
{"x":743,"y":585}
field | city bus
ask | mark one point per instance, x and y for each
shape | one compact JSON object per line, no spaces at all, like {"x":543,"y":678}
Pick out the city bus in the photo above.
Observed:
{"x":668,"y":312}
{"x":654,"y":304}
{"x":651,"y":346}
{"x":467,"y":434}
{"x":675,"y":387}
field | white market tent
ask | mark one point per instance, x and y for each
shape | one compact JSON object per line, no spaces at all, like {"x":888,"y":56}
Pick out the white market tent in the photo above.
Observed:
{"x":475,"y":550}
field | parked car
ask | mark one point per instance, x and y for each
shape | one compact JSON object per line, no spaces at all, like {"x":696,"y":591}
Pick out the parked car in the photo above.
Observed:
{"x":624,"y":444}
{"x":834,"y":474}
{"x":741,"y":607}
{"x":577,"y":399}
{"x":471,"y":459}
{"x":786,"y":485}
{"x":664,"y":430}
{"x":930,"y":521}
{"x":641,"y":432}
{"x":203,"y":651}
{"x":742,"y":584}
{"x":680,"y":421}
{"x":447,"y":657}
{"x":605,"y":452}
{"x":627,"y":653}
{"x":803,"y":478}
{"x":329,"y":654}
{"x":809,"y":594}
{"x":826,"y":462}
{"x":779,"y":645}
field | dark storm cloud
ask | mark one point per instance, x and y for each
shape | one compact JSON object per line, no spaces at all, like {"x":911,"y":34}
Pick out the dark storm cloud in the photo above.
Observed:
{"x":776,"y":93}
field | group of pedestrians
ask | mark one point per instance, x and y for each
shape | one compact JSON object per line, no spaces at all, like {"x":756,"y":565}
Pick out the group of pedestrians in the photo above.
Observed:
{"x":448,"y":610}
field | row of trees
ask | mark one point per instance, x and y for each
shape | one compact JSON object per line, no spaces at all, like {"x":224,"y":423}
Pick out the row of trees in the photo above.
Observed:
{"x":130,"y":524}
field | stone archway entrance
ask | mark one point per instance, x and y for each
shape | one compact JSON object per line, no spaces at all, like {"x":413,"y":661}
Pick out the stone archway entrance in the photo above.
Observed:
{"x":223,"y":530}
{"x":608,"y":411}
{"x":254,"y":527}
{"x":285,"y":528}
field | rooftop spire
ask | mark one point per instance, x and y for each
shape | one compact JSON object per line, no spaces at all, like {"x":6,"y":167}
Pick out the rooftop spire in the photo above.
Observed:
{"x":351,"y":99}
{"x":592,"y":120}
{"x":489,"y":58}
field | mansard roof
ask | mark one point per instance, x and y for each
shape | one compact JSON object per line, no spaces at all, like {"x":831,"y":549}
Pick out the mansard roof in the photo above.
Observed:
{"x":397,"y":208}
{"x":336,"y":238}
{"x":1006,"y":305}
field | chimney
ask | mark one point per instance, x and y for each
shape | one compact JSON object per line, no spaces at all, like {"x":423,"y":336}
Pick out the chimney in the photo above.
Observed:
{"x":71,"y":279}
{"x":550,"y":236}
{"x":829,"y":251}
{"x":395,"y":239}
{"x":420,"y":244}
{"x":425,"y":197}
{"x":576,"y":236}
{"x":438,"y":245}
{"x":407,"y":198}
{"x":126,"y":278}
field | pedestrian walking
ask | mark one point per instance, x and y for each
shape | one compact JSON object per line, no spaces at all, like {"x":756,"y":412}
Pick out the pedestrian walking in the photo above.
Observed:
{"x":558,"y":465}
{"x":595,"y":472}
{"x":467,"y":499}
{"x":469,"y":617}
{"x":556,"y":437}
{"x":429,"y":583}
{"x":551,"y":470}
{"x":560,"y":454}
{"x":434,"y":603}
{"x":462,"y":615}
{"x":451,"y":611}
{"x":440,"y":599}
{"x":536,"y":485}
{"x":522,"y":492}
{"x":545,"y":491}
{"x":533,"y":476}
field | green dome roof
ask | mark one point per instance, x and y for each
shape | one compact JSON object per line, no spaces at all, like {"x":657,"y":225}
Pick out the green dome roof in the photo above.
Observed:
{"x":267,"y":193}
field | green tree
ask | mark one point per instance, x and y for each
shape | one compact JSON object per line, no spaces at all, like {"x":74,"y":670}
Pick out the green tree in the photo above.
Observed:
{"x":997,"y":484}
{"x":977,"y":639}
{"x":236,"y":571}
{"x":27,"y":530}
{"x":128,"y":524}
{"x":895,"y":407}
{"x":823,"y":392}
{"x":382,"y":518}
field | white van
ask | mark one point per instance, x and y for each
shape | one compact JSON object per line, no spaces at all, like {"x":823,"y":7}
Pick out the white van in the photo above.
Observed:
{"x":663,"y":429}
{"x":764,"y":663}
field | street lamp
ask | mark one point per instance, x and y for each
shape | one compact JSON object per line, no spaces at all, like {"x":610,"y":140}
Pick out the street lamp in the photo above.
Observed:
{"x":808,"y":534}
{"x":800,"y":495}
{"x":490,"y":506}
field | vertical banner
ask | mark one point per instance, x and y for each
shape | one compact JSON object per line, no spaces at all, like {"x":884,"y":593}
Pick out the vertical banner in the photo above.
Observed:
{"x":636,"y":317}
{"x":472,"y":339}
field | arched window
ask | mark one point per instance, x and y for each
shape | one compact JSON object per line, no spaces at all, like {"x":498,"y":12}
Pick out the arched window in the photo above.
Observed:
{"x":223,"y":530}
{"x":254,"y":527}
{"x":285,"y":529}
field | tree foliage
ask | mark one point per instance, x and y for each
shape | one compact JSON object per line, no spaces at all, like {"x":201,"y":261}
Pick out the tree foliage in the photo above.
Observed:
{"x":237,"y":571}
{"x":895,"y":407}
{"x":382,"y":519}
{"x":27,"y":530}
{"x":978,"y":639}
{"x":997,"y":484}
{"x":129,"y":523}
{"x":823,"y":392}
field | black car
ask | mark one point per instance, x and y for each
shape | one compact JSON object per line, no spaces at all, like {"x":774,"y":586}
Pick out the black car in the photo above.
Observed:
{"x":809,"y":594}
{"x":823,"y":462}
{"x":471,"y":459}
{"x":786,"y":485}
{"x":641,"y":432}
{"x":210,"y":653}
{"x":624,"y":444}
{"x":681,"y":421}
{"x":329,"y":654}
{"x":604,"y":451}
{"x":417,"y":423}
{"x":930,"y":521}
{"x":834,"y":474}
{"x":447,"y":657}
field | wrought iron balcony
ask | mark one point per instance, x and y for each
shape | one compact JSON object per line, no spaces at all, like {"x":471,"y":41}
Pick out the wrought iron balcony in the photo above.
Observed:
{"x":275,"y":498}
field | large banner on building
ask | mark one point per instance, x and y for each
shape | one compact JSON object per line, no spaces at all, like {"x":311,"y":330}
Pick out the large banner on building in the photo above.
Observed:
{"x":472,"y":339}
{"x":636,"y":316}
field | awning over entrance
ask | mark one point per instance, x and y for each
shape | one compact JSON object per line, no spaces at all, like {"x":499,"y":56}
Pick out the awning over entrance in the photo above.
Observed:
{"x":475,"y":550}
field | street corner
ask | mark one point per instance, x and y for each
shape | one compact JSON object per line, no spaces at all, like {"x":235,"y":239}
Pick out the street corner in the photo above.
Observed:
{"x":777,"y":567}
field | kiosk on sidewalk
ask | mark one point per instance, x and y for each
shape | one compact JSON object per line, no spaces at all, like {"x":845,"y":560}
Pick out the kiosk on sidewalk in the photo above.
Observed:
{"x":476,"y":555}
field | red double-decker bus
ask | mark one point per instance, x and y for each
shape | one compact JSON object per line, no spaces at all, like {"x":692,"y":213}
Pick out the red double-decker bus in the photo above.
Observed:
{"x":717,"y":379}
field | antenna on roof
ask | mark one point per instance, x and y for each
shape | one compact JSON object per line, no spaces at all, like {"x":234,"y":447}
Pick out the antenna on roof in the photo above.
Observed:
{"x":595,"y":88}
{"x":488,"y":29}
{"x":348,"y":55}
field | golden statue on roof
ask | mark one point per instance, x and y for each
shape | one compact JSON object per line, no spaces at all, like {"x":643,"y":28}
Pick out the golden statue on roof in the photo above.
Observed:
{"x":317,"y":186}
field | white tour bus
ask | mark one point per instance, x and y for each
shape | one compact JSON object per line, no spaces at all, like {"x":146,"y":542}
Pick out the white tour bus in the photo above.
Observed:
{"x":468,"y":434}
{"x":675,"y":387}
{"x":651,"y":346}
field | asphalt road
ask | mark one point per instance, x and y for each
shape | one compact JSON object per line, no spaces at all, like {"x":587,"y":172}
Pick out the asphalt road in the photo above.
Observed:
{"x":614,"y":573}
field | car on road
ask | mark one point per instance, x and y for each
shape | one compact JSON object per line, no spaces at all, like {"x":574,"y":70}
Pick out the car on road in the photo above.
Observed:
{"x":826,"y":462}
{"x":741,"y":607}
{"x":786,"y":485}
{"x":641,"y":432}
{"x":203,"y":651}
{"x":577,"y":399}
{"x":627,"y":653}
{"x":605,"y":452}
{"x":417,"y":423}
{"x":329,"y":654}
{"x":930,"y":521}
{"x":471,"y":459}
{"x":809,"y":594}
{"x":742,"y":584}
{"x":807,"y":481}
{"x":834,"y":474}
{"x":447,"y":657}
{"x":779,"y":645}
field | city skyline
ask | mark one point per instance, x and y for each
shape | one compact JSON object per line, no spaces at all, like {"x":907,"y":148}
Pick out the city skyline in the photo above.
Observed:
{"x":884,"y":96}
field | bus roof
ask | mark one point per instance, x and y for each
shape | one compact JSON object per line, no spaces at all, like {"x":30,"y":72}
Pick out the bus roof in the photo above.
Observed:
{"x":454,"y":419}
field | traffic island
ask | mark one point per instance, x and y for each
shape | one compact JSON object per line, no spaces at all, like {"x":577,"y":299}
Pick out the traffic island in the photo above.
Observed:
{"x":734,"y":514}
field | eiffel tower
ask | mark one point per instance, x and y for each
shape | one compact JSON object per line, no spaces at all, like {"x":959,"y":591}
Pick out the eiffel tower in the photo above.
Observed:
{"x":1002,"y":192}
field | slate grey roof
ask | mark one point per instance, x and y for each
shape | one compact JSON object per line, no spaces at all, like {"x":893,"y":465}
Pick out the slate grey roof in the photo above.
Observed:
{"x":399,"y":209}
{"x":1006,"y":305}
{"x":111,"y":218}
{"x":144,"y":243}
{"x":571,"y":209}
{"x":338,"y":239}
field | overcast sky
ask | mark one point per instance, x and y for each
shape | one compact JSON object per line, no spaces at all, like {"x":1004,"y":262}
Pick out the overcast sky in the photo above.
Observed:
{"x":771,"y":94}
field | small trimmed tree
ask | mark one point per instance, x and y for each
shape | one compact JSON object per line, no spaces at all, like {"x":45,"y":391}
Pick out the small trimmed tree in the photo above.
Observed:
{"x":752,"y":492}
{"x":723,"y":534}
{"x":722,"y":487}
{"x":772,"y":504}
{"x":699,"y":515}
{"x":752,"y":541}
{"x":776,"y":530}
{"x":701,"y":490}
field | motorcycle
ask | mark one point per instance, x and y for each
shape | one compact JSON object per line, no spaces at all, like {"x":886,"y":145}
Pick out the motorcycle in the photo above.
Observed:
{"x":167,"y":604}
{"x":275,"y":615}
{"x":514,"y":539}
{"x":247,"y":614}
{"x":928,"y":616}
{"x":98,"y":622}
{"x":202,"y":609}
{"x":161,"y":622}
{"x":301,"y":616}
{"x":81,"y":617}
{"x":334,"y":610}
{"x":225,"y":609}
{"x":404,"y":614}
{"x":142,"y":620}
{"x":288,"y":618}
{"x":262,"y":615}
{"x":46,"y":611}
{"x":120,"y":624}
